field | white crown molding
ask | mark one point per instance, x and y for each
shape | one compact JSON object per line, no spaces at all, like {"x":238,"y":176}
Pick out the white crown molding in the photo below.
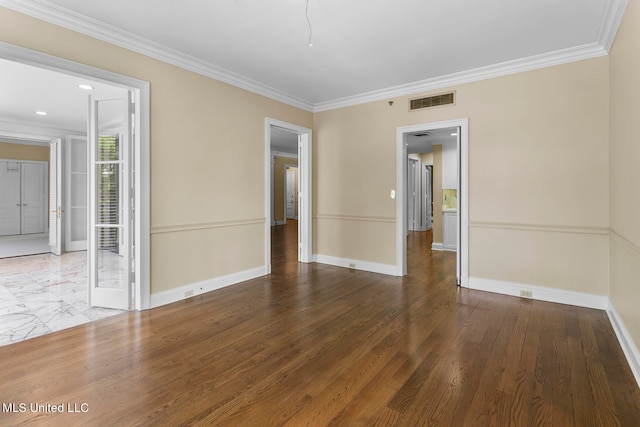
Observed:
{"x":563,"y":56}
{"x":65,"y":18}
{"x":23,"y":132}
{"x":54,"y":14}
{"x":610,"y":23}
{"x":284,"y":154}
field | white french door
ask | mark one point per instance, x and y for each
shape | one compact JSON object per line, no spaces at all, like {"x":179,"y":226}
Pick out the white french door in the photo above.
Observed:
{"x":75,"y":154}
{"x":110,"y":233}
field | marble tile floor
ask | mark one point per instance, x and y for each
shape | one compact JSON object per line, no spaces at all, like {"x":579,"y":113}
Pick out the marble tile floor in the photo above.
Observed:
{"x":44,"y":293}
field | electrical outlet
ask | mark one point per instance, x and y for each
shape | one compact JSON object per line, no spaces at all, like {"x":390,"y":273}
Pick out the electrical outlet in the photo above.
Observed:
{"x":526,"y":294}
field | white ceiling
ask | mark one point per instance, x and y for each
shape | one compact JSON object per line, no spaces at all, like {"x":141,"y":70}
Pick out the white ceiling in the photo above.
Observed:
{"x":363,"y":49}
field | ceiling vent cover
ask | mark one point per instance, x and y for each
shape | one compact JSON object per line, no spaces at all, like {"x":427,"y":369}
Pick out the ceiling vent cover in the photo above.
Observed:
{"x":431,"y":101}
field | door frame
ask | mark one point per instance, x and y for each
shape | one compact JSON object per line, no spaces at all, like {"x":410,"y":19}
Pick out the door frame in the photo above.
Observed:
{"x":140,"y":89}
{"x":463,"y":192}
{"x":304,"y":188}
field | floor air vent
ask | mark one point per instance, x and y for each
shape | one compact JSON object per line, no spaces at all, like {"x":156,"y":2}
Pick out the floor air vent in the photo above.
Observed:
{"x":431,"y":101}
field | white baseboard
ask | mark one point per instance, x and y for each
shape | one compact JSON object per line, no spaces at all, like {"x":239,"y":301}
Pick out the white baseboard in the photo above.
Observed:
{"x":579,"y":299}
{"x":626,"y":342}
{"x":541,"y":293}
{"x":437,"y":246}
{"x":188,"y":291}
{"x":373,"y":267}
{"x":280,"y":222}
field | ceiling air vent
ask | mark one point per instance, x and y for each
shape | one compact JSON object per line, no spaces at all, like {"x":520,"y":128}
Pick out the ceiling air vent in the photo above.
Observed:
{"x":431,"y":101}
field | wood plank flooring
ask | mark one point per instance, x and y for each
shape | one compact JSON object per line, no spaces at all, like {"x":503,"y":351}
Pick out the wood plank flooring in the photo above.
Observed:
{"x":319,"y":345}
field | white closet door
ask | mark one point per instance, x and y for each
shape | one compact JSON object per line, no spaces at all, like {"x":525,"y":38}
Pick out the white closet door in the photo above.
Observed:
{"x":291,"y":194}
{"x":33,"y":195}
{"x":55,"y":184}
{"x":9,"y":198}
{"x":76,"y":193}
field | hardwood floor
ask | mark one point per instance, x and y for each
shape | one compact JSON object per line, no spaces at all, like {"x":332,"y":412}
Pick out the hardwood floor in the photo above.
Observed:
{"x":318,"y":345}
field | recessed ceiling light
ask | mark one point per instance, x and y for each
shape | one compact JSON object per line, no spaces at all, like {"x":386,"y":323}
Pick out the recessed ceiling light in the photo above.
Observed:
{"x":41,"y":113}
{"x":454,"y":134}
{"x":85,"y":87}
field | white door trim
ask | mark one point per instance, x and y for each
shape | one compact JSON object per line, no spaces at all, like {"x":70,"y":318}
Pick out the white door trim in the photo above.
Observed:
{"x":304,"y":187}
{"x":140,"y":89}
{"x":463,"y":193}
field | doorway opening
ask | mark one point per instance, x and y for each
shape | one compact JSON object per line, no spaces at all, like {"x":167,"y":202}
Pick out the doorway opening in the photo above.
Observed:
{"x":287,"y":150}
{"x":432,"y":190}
{"x":113,"y":182}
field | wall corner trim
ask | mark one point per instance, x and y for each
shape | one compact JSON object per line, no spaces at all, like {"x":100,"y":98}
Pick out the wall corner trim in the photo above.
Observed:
{"x":199,"y":288}
{"x":629,"y":348}
{"x":614,"y":11}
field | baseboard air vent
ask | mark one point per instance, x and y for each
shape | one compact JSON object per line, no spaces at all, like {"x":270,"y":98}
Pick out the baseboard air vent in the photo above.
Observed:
{"x":431,"y":101}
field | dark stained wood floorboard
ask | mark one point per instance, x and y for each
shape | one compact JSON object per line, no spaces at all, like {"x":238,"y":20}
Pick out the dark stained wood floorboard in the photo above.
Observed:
{"x":319,"y":345}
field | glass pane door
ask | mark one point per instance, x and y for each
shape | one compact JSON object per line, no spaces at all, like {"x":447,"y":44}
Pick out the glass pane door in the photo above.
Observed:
{"x":109,"y":240}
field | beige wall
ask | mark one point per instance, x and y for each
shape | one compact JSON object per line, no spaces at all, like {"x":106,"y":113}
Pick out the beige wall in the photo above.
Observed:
{"x":23,"y":152}
{"x":279,"y":185}
{"x":538,"y":176}
{"x":624,"y":172}
{"x":538,"y":193}
{"x":207,"y":220}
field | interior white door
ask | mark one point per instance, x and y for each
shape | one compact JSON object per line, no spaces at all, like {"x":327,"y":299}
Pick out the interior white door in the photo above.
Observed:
{"x":413,"y":195}
{"x":55,"y":187}
{"x":110,"y":254}
{"x":75,"y":235}
{"x":428,"y":197}
{"x":33,"y":194}
{"x":291,"y":193}
{"x":9,"y":198}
